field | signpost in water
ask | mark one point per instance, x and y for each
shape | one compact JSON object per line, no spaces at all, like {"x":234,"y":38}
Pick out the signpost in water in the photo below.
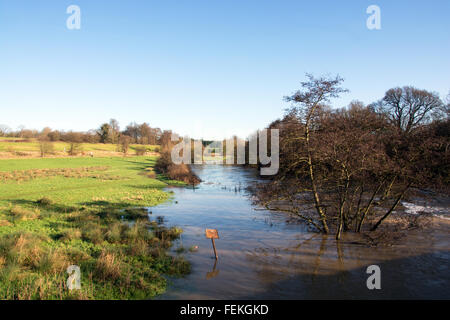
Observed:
{"x":212,"y":234}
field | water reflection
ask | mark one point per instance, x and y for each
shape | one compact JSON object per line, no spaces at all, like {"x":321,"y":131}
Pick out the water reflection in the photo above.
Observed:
{"x":214,"y":272}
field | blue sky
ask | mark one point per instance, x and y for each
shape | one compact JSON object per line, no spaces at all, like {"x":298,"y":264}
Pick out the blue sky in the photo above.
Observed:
{"x":207,"y":68}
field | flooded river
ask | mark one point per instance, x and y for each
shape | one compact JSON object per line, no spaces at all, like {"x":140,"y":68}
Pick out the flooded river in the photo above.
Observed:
{"x":263,"y":256}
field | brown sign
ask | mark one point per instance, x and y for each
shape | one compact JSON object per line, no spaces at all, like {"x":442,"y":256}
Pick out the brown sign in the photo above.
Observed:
{"x":212,"y":234}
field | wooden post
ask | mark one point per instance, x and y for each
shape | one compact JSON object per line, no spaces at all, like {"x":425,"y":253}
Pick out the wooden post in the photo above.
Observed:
{"x":214,"y":247}
{"x":213,"y":234}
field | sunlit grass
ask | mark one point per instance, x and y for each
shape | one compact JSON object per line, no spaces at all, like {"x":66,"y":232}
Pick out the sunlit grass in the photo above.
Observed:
{"x":60,"y":211}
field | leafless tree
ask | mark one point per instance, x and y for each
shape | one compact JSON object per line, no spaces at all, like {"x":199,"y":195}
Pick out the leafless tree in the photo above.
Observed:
{"x":308,"y":101}
{"x":4,"y":130}
{"x":353,"y":164}
{"x":409,"y":107}
{"x":115,"y":130}
{"x":124,"y":143}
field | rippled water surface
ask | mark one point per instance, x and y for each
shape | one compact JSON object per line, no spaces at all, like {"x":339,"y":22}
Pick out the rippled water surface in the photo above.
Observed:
{"x":261,"y":256}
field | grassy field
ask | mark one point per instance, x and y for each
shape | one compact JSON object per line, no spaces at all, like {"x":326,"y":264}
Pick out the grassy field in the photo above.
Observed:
{"x":17,"y":147}
{"x":87,"y":212}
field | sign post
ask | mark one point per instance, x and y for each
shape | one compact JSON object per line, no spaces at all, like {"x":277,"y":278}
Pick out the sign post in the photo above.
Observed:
{"x":212,"y":234}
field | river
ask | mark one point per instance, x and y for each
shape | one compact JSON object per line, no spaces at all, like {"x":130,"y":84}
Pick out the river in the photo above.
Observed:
{"x":265,"y":255}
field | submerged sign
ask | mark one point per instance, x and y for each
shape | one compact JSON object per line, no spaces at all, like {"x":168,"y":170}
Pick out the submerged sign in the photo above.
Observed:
{"x":212,"y":234}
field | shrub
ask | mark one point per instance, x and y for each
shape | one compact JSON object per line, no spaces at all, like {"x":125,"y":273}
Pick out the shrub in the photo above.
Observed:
{"x":93,"y":232}
{"x":20,"y":213}
{"x":179,"y":172}
{"x":71,"y":234}
{"x":124,"y":143}
{"x":52,"y":262}
{"x":45,"y":147}
{"x":21,"y":248}
{"x":76,"y":254}
{"x":138,"y":248}
{"x":108,"y":266}
{"x":114,"y":234}
{"x":45,"y":201}
{"x":140,"y":151}
{"x":10,"y":272}
{"x":75,"y":148}
{"x":139,"y":231}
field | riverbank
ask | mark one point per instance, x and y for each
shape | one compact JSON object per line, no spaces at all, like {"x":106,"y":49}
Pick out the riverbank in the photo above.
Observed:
{"x":85,"y":212}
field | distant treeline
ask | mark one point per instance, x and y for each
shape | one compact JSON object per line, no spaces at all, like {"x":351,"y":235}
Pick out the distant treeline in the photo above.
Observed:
{"x":107,"y":133}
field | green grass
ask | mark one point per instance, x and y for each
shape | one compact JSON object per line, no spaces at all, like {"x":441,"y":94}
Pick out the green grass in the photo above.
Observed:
{"x":58,"y":212}
{"x":123,"y":183}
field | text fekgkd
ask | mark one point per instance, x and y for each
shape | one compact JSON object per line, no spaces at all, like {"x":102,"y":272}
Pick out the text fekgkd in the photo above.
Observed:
{"x":234,"y":309}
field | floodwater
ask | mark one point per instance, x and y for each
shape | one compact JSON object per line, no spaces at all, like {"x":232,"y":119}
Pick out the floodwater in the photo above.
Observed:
{"x":264,"y":256}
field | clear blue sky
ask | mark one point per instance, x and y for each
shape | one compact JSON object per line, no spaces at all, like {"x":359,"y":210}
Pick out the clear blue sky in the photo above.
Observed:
{"x":209,"y":67}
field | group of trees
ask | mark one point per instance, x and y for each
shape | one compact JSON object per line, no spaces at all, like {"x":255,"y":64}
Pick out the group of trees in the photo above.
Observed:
{"x":107,"y":133}
{"x":48,"y":134}
{"x":356,"y":164}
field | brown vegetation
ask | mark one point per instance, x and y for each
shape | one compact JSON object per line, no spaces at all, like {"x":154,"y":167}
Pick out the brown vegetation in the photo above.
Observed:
{"x":45,"y":147}
{"x":179,"y":172}
{"x":26,"y":175}
{"x":356,"y":164}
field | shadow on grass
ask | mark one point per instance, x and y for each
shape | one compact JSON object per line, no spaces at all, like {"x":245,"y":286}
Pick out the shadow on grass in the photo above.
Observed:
{"x":100,"y":206}
{"x":105,"y":210}
{"x":147,"y":186}
{"x":49,"y":207}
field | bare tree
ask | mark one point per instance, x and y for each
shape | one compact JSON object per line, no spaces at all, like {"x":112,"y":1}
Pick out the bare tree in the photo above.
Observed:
{"x":447,"y":105}
{"x":4,"y":130}
{"x":115,"y":130}
{"x":124,"y":143}
{"x":353,"y":165}
{"x":308,"y":101}
{"x":409,"y":107}
{"x":45,"y":145}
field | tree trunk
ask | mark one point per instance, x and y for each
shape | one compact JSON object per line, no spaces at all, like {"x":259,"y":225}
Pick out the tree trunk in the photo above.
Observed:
{"x":317,"y":203}
{"x":391,"y":209}
{"x":341,"y":220}
{"x":369,"y":205}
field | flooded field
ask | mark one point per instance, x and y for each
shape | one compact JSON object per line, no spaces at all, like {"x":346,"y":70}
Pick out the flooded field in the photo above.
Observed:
{"x":262,"y":256}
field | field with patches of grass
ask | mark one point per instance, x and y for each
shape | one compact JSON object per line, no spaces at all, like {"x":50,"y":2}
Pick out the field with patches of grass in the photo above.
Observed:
{"x":18,"y":147}
{"x":87,"y":212}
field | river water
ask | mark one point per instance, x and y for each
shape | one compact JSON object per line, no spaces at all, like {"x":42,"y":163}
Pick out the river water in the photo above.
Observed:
{"x":262,"y":255}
